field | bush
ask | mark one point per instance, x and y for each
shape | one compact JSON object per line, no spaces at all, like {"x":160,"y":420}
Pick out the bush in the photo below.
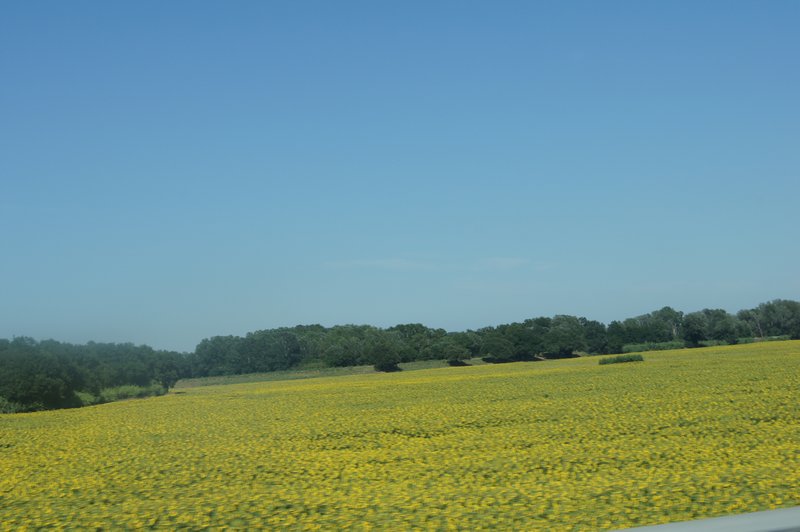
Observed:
{"x":387,"y":366}
{"x":495,"y":360}
{"x":130,"y":391}
{"x":87,"y":399}
{"x":7,"y":407}
{"x":523,"y":357}
{"x":621,"y":358}
{"x":780,"y":338}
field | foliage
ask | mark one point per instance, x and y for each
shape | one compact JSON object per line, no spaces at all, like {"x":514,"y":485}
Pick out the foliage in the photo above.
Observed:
{"x":49,"y":374}
{"x":561,"y":336}
{"x":496,"y":348}
{"x":7,"y":407}
{"x":775,"y":318}
{"x":416,"y":341}
{"x":387,"y":366}
{"x":448,"y":348}
{"x":621,"y":358}
{"x":559,"y":445}
{"x":130,"y":391}
{"x":87,"y":399}
{"x":653,"y":346}
{"x":695,"y":328}
{"x":565,"y":336}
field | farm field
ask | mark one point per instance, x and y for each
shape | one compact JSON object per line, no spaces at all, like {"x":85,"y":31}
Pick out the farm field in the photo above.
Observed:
{"x":555,"y":445}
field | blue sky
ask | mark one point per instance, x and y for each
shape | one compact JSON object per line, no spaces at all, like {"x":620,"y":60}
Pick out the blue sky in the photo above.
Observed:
{"x":171,"y":171}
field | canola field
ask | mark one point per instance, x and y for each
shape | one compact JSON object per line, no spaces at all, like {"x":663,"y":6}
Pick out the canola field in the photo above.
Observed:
{"x":556,"y":445}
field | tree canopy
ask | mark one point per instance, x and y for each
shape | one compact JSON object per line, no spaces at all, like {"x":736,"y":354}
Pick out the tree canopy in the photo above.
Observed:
{"x":50,"y":374}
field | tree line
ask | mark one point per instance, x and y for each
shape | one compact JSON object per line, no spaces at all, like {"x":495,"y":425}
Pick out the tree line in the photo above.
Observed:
{"x":49,"y":374}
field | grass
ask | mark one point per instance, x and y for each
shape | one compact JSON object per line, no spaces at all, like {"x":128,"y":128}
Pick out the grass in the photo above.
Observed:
{"x":312,"y":373}
{"x":560,"y":445}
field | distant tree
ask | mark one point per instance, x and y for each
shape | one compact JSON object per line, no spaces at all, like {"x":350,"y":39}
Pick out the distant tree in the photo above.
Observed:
{"x":595,"y":336}
{"x":344,"y":345}
{"x":470,"y":340}
{"x":35,"y":380}
{"x":527,"y":341}
{"x":218,"y":355}
{"x":721,"y":326}
{"x":539,"y":326}
{"x":269,"y":350}
{"x":415,"y":339}
{"x":780,"y":317}
{"x":617,"y":336}
{"x":666,"y":324}
{"x":448,"y":348}
{"x":337,"y":354}
{"x":169,"y":368}
{"x":311,"y":338}
{"x":565,"y":336}
{"x":695,"y":328}
{"x":751,"y":321}
{"x":383,"y":350}
{"x":496,"y":348}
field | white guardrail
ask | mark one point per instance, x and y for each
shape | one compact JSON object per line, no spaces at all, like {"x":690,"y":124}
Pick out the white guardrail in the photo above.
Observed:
{"x":784,"y":520}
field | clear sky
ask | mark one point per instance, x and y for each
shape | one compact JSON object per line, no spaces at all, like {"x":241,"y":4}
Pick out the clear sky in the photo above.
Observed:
{"x":171,"y":171}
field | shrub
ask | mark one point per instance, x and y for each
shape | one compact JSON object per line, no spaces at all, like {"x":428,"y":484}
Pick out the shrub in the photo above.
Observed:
{"x":622,"y":358}
{"x":7,"y":407}
{"x":130,"y":391}
{"x":387,"y":366}
{"x":495,"y":360}
{"x":523,"y":357}
{"x":87,"y":398}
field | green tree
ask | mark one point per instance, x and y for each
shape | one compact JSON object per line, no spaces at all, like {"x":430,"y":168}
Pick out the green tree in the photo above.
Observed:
{"x":415,"y":340}
{"x":780,"y":317}
{"x":383,"y":350}
{"x":527,"y":341}
{"x":36,"y":380}
{"x":721,"y":326}
{"x":470,"y":340}
{"x":218,"y":355}
{"x":667,"y":324}
{"x":448,"y":348}
{"x":751,"y":321}
{"x":695,"y":328}
{"x":617,"y":336}
{"x":565,"y":336}
{"x":496,"y":348}
{"x":269,"y":350}
{"x":595,"y":336}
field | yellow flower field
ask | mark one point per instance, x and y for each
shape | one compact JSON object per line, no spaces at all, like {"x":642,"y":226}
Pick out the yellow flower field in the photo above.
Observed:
{"x":556,"y":445}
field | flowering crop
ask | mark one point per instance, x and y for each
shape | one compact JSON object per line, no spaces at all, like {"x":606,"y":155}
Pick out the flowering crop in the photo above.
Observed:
{"x":556,"y":445}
